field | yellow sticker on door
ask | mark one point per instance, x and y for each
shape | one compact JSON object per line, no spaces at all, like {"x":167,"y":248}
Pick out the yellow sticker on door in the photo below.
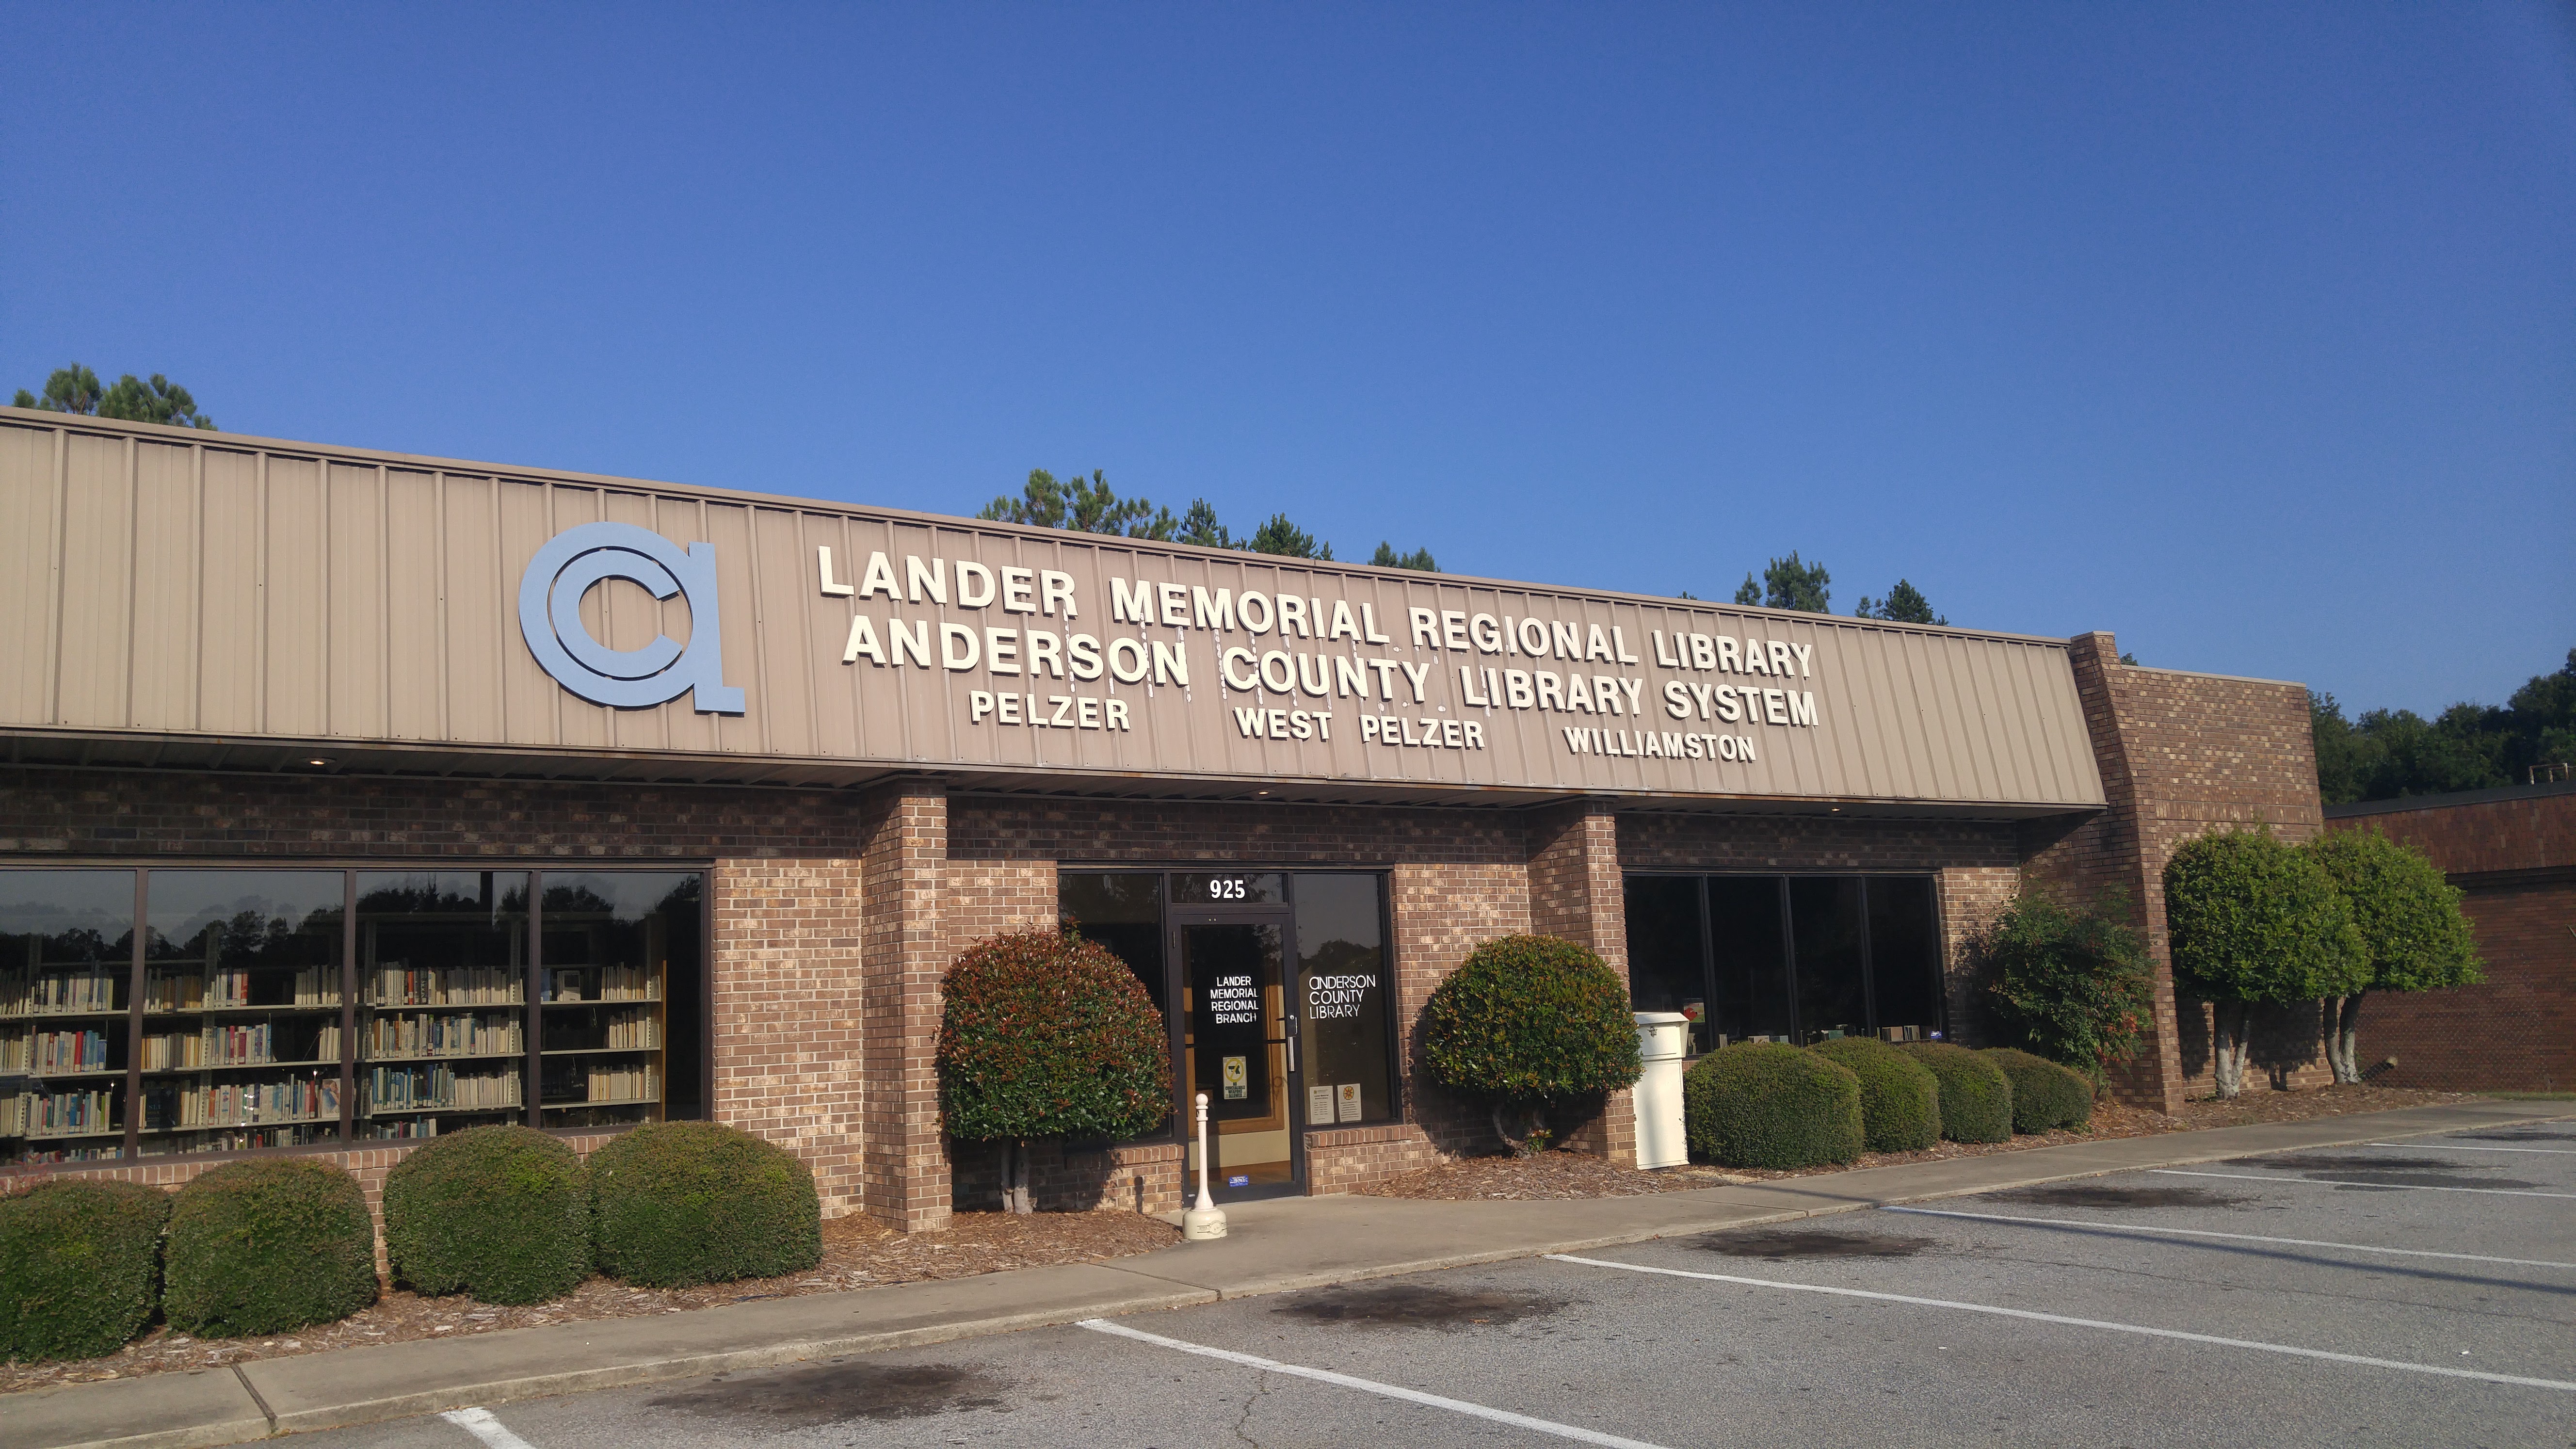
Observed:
{"x":1238,"y":1078}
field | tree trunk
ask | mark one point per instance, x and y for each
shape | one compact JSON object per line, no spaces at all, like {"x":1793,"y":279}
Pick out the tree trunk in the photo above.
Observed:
{"x":2229,"y":1022}
{"x":1532,"y":1121}
{"x":2345,"y":1045}
{"x":1015,"y":1177}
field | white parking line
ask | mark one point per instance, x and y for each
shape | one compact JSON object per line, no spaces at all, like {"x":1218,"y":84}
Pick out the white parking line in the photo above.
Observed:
{"x":2338,"y":1182}
{"x":1371,"y":1386}
{"x":2457,"y":1147}
{"x":481,"y":1424}
{"x":2239,"y":1237}
{"x":2024,"y":1313}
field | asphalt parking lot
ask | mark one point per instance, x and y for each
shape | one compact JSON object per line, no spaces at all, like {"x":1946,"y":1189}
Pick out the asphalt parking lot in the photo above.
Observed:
{"x":2421,"y":1292}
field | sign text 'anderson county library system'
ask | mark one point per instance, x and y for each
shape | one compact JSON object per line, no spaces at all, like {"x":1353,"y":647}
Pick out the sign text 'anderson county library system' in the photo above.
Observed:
{"x":1290,"y":667}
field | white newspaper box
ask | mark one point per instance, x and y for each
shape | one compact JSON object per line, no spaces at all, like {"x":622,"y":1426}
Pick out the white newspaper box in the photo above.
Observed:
{"x":1663,"y":1039}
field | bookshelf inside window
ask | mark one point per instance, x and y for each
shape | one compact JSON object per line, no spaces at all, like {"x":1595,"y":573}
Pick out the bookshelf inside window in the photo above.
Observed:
{"x":603,"y":1001}
{"x":443,"y":973}
{"x":241,"y":1014}
{"x":66,"y":967}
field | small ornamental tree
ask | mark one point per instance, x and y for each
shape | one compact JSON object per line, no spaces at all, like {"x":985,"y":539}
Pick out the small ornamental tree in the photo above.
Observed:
{"x":2411,"y":926}
{"x":2073,"y":986}
{"x":2256,"y":922}
{"x":1527,"y":1024}
{"x":1048,"y":1035}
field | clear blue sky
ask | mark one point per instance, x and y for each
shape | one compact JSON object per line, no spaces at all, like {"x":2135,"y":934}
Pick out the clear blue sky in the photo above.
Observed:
{"x":2247,"y":332}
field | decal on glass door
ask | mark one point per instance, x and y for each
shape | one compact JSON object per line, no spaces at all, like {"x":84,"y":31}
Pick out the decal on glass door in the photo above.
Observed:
{"x":1238,"y":1078}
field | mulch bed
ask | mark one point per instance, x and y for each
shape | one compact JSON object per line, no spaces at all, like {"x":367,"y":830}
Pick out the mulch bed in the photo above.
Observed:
{"x":1558,"y":1175}
{"x":857,"y":1253}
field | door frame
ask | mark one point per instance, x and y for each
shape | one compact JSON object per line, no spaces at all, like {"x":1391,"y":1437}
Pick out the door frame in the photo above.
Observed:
{"x":1177,"y":919}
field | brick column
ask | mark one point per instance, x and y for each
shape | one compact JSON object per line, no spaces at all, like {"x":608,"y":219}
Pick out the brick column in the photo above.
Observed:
{"x":905,"y":1174}
{"x":1576,"y":892}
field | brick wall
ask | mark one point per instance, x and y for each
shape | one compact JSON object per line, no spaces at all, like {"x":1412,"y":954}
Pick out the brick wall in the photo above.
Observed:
{"x":2181,"y":755}
{"x":2513,"y":853}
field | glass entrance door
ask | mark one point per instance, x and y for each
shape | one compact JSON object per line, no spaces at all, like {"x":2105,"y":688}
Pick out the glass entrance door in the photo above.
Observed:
{"x":1239,"y":1048}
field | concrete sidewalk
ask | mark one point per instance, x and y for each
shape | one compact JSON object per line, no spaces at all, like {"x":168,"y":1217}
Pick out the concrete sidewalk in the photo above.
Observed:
{"x":1275,"y":1246}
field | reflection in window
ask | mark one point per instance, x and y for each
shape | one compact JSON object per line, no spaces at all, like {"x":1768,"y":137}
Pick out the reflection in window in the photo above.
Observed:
{"x":1667,"y":950}
{"x":619,"y":1044}
{"x":1123,"y":912}
{"x":443,"y":970}
{"x":66,"y":959}
{"x":1750,"y":949}
{"x":1789,"y":958}
{"x":241,"y":1009}
{"x":1342,"y":998}
{"x":1825,"y":929}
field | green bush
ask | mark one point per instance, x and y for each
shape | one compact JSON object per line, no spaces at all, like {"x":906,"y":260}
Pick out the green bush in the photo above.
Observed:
{"x":2256,"y":922}
{"x":500,"y":1212}
{"x":1976,"y":1096}
{"x":676,"y":1204}
{"x":267,"y":1245}
{"x":2411,"y":926}
{"x":2044,"y":1094}
{"x":1049,"y":1035}
{"x":1900,"y":1101}
{"x":2072,"y":985}
{"x":1530,"y":1021}
{"x":80,"y":1267}
{"x":1771,"y":1105}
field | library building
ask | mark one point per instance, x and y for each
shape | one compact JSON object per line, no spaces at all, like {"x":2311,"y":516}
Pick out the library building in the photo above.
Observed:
{"x":350,"y":797}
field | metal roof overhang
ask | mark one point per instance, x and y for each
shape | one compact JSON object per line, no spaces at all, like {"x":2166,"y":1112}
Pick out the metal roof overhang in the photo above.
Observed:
{"x":310,"y":759}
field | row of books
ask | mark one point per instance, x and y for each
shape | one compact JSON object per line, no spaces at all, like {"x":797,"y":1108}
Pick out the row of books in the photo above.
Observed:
{"x":240,"y":1139}
{"x":424,"y":1035}
{"x":625,"y":1084}
{"x":60,"y":993}
{"x":405,"y":1089}
{"x":217,"y":1044}
{"x":245,"y":1104}
{"x":400,"y":985}
{"x":601,"y":983}
{"x":57,"y":1114}
{"x":634,"y":1031}
{"x":77,"y":1050}
{"x":200,"y":990}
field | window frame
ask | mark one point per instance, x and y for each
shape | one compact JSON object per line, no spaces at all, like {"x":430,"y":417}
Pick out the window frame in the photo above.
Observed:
{"x":129,"y":1153}
{"x":1789,"y":932}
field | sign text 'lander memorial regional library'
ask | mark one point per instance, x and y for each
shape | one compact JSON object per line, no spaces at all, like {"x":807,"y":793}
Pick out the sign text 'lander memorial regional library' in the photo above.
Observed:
{"x":353,"y":797}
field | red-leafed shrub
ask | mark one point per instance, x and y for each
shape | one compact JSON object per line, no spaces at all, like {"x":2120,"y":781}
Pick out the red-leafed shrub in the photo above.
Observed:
{"x":1048,"y":1035}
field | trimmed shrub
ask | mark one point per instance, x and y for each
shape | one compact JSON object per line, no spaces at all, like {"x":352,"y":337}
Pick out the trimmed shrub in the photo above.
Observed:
{"x":676,"y":1204}
{"x":2044,"y":1094}
{"x":2256,"y":922}
{"x":1771,"y":1105}
{"x":1900,"y":1101}
{"x":1045,"y":1034}
{"x":267,"y":1245}
{"x":80,"y":1267}
{"x":500,"y":1212}
{"x":1530,"y":1021}
{"x":1976,"y":1096}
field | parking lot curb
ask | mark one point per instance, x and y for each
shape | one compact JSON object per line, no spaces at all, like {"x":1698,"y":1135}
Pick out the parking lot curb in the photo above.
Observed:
{"x":297,"y":1394}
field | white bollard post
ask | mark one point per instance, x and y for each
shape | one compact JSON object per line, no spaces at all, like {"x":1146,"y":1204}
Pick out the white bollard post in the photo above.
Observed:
{"x":1206,"y":1220}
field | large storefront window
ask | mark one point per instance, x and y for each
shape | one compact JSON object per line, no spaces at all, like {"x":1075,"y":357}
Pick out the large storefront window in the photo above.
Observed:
{"x":1787,"y":958}
{"x":288,"y":1008}
{"x":1275,"y":984}
{"x":66,"y":967}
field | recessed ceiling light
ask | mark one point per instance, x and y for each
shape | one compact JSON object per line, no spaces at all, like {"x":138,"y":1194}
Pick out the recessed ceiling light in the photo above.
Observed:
{"x":321,"y":762}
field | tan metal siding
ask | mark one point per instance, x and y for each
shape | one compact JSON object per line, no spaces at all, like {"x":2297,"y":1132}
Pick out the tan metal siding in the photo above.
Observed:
{"x":210,"y":584}
{"x":98,"y":583}
{"x":230,"y":680}
{"x":166,"y":561}
{"x":29,"y":575}
{"x":413,"y":665}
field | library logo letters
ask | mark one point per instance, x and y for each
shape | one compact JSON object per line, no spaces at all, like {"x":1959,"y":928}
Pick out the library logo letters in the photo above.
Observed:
{"x":550,"y":596}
